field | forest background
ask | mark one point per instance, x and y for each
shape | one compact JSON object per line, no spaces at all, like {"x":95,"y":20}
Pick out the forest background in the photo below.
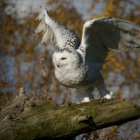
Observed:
{"x":21,"y":51}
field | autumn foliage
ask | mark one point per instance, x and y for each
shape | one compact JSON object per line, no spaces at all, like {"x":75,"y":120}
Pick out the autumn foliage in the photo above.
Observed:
{"x":20,"y":51}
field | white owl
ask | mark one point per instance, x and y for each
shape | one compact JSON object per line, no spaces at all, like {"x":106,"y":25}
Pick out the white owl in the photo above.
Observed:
{"x":78,"y":64}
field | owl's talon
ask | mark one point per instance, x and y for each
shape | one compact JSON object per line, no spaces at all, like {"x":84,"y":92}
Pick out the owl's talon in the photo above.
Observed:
{"x":107,"y":96}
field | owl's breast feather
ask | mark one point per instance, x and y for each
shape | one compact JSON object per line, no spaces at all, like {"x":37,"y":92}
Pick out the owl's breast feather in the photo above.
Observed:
{"x":70,"y":77}
{"x":79,"y":77}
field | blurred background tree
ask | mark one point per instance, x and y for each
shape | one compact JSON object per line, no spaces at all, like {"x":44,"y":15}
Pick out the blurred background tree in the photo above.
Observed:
{"x":20,"y":51}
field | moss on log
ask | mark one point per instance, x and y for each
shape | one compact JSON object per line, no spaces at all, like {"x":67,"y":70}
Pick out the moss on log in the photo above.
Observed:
{"x":28,"y":118}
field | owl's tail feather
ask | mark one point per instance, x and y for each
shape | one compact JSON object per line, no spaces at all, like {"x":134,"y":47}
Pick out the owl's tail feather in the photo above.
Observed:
{"x":48,"y":35}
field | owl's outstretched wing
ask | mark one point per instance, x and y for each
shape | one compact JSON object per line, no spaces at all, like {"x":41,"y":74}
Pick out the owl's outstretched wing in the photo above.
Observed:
{"x":53,"y":31}
{"x":102,"y":34}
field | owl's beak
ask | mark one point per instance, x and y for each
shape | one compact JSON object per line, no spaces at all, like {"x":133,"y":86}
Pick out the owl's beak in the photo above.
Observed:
{"x":58,"y":65}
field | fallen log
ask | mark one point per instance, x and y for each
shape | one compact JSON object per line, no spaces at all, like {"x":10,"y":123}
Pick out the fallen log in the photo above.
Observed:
{"x":29,"y":118}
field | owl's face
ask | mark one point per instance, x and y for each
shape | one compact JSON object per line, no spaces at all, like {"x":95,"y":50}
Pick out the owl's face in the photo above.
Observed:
{"x":66,"y":58}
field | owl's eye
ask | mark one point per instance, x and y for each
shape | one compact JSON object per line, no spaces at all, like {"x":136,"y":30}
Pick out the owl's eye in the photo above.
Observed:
{"x":63,"y":58}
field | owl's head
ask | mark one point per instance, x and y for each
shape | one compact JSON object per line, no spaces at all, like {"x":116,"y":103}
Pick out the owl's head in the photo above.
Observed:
{"x":66,"y":58}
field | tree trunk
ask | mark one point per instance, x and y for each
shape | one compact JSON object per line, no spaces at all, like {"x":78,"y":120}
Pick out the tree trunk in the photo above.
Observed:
{"x":29,"y":118}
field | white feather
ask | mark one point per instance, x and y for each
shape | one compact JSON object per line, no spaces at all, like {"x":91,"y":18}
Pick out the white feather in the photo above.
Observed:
{"x":42,"y":14}
{"x":41,"y":27}
{"x":48,"y":35}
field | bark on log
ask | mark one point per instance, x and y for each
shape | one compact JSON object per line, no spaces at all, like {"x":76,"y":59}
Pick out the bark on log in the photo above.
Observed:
{"x":28,"y":118}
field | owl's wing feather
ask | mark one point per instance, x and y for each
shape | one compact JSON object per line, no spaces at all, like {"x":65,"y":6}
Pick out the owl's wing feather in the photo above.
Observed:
{"x":54,"y":32}
{"x":102,"y":34}
{"x":48,"y":34}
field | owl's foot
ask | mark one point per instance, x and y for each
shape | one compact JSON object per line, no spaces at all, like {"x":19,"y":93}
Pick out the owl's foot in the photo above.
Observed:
{"x":86,"y":99}
{"x":105,"y":94}
{"x":108,"y":96}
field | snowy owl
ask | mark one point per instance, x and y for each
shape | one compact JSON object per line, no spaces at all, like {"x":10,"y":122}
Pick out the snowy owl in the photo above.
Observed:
{"x":78,"y":63}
